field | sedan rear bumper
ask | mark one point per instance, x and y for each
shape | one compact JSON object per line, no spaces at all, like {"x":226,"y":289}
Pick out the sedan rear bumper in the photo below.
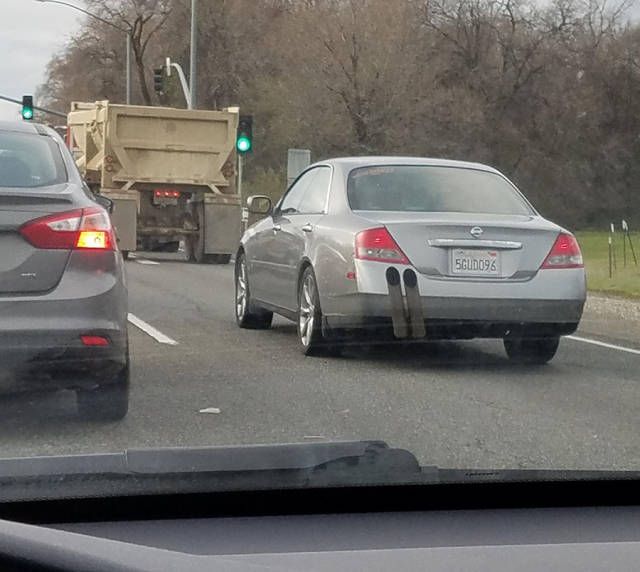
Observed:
{"x":549,"y":304}
{"x":360,"y":308}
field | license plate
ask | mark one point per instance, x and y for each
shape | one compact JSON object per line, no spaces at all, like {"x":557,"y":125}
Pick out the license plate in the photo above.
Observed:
{"x":165,"y":201}
{"x":475,"y":262}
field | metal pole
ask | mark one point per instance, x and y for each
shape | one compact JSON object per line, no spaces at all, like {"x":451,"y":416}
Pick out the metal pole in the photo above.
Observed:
{"x":183,"y":83}
{"x":240,"y":165}
{"x":613,"y":245}
{"x":192,"y":58}
{"x":43,"y":109}
{"x":633,"y":252}
{"x":128,"y":72}
{"x":245,"y":223}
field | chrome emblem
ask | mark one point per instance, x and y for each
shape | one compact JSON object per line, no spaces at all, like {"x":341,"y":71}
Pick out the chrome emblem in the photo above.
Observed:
{"x":476,"y":232}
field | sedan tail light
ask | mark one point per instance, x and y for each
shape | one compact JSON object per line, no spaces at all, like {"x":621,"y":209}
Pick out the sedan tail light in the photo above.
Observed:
{"x":377,"y":244}
{"x":80,"y":229}
{"x":565,"y":253}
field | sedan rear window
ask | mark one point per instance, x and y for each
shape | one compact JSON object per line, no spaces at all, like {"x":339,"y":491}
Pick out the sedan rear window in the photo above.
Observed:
{"x":415,"y":188}
{"x":28,"y":160}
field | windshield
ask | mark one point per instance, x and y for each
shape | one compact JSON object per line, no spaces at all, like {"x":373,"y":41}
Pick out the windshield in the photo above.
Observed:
{"x":29,"y":160}
{"x":433,"y":189}
{"x":399,"y":221}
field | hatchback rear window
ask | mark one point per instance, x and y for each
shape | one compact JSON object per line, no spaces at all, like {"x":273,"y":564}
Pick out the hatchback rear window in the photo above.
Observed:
{"x":411,"y":188}
{"x":28,"y":160}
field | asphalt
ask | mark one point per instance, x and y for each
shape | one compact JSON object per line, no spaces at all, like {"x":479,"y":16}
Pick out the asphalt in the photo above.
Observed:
{"x":453,"y":404}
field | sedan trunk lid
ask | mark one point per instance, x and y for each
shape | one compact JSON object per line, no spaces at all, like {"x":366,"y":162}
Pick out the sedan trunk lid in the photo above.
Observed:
{"x":470,"y":246}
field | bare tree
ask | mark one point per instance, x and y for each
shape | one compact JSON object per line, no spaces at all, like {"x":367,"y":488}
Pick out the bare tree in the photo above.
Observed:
{"x":143,"y":19}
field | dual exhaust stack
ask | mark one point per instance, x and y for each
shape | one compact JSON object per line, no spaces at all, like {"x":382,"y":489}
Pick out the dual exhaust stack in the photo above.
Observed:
{"x":407,"y":321}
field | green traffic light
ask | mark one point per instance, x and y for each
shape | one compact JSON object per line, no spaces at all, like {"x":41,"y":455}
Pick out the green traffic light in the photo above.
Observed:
{"x":27,"y":107}
{"x":243,"y":144}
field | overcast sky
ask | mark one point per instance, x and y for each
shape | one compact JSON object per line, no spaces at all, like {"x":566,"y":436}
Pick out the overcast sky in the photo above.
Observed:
{"x":30,"y":33}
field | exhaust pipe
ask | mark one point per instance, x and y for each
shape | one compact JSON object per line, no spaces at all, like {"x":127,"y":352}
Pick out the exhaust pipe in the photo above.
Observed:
{"x":398,"y":317}
{"x":414,"y":305}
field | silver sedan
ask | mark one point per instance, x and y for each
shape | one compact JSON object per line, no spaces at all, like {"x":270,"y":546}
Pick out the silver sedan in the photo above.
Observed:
{"x":384,"y":248}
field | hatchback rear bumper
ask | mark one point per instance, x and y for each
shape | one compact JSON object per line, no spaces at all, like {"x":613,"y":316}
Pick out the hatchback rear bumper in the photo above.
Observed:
{"x":54,"y":361}
{"x":40,"y":336}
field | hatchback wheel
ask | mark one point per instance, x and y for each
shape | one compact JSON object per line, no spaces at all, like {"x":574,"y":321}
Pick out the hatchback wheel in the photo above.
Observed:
{"x":107,"y":402}
{"x":531,"y":350}
{"x":247,"y":314}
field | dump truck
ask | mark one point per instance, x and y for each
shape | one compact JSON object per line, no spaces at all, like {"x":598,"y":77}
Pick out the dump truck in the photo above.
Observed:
{"x":171,"y":174}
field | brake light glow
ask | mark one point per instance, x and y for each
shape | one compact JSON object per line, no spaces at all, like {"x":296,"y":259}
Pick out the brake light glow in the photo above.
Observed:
{"x":162,"y":194}
{"x":565,"y":253}
{"x":88,"y":228}
{"x":377,"y":244}
{"x":99,"y":341}
{"x":92,"y":239}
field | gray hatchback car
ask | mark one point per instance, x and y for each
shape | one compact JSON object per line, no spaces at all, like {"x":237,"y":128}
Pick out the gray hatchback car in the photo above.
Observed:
{"x":409,"y":248}
{"x":63,"y":298}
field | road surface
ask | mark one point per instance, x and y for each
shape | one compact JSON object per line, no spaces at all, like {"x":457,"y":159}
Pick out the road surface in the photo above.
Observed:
{"x":454,"y":404}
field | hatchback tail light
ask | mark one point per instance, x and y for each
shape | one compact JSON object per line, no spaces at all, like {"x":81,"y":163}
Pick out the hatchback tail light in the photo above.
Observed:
{"x":94,"y":341}
{"x":565,"y":253}
{"x":80,"y":229}
{"x":377,"y":244}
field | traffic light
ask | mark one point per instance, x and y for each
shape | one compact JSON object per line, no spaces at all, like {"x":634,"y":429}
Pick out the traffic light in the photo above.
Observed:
{"x":244,"y":138}
{"x":158,"y":80}
{"x":27,"y":107}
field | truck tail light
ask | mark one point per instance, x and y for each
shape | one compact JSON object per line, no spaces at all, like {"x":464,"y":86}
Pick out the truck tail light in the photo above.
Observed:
{"x":166,"y":194}
{"x":565,"y":253}
{"x":80,"y":229}
{"x":378,"y":245}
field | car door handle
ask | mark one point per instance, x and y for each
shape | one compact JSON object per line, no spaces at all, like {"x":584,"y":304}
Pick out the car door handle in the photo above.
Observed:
{"x":307,"y":227}
{"x":276,"y":227}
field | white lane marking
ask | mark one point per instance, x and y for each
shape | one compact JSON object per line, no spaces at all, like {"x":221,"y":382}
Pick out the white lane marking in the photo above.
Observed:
{"x":151,"y":331}
{"x":150,"y":262}
{"x":604,"y":345}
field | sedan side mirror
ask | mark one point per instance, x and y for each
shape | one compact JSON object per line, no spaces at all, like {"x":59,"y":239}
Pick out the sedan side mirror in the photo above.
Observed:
{"x":259,"y":204}
{"x":105,"y":202}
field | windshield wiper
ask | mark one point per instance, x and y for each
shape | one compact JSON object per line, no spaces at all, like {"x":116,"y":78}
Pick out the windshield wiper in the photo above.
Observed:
{"x":247,"y":468}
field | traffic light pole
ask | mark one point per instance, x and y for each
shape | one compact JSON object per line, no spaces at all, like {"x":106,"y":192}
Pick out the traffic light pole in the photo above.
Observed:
{"x":188,"y":95}
{"x":43,"y":109}
{"x":194,"y":54}
{"x":240,"y":165}
{"x":128,"y":71}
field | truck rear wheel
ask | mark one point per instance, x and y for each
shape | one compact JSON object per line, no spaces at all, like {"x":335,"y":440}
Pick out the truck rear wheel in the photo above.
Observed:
{"x":194,"y":243}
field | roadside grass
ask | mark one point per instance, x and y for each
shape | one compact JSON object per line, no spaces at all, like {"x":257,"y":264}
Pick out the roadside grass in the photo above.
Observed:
{"x":595,"y":250}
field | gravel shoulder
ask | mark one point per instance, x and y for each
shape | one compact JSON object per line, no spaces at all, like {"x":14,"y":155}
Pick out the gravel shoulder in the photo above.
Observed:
{"x":612,"y":319}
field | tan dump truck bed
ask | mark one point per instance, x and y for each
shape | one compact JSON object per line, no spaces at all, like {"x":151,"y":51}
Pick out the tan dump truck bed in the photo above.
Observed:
{"x":127,"y":152}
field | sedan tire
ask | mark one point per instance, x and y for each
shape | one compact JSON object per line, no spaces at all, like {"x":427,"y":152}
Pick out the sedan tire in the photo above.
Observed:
{"x":108,"y":402}
{"x":312,"y":341}
{"x":531,"y":350}
{"x":247,"y":314}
